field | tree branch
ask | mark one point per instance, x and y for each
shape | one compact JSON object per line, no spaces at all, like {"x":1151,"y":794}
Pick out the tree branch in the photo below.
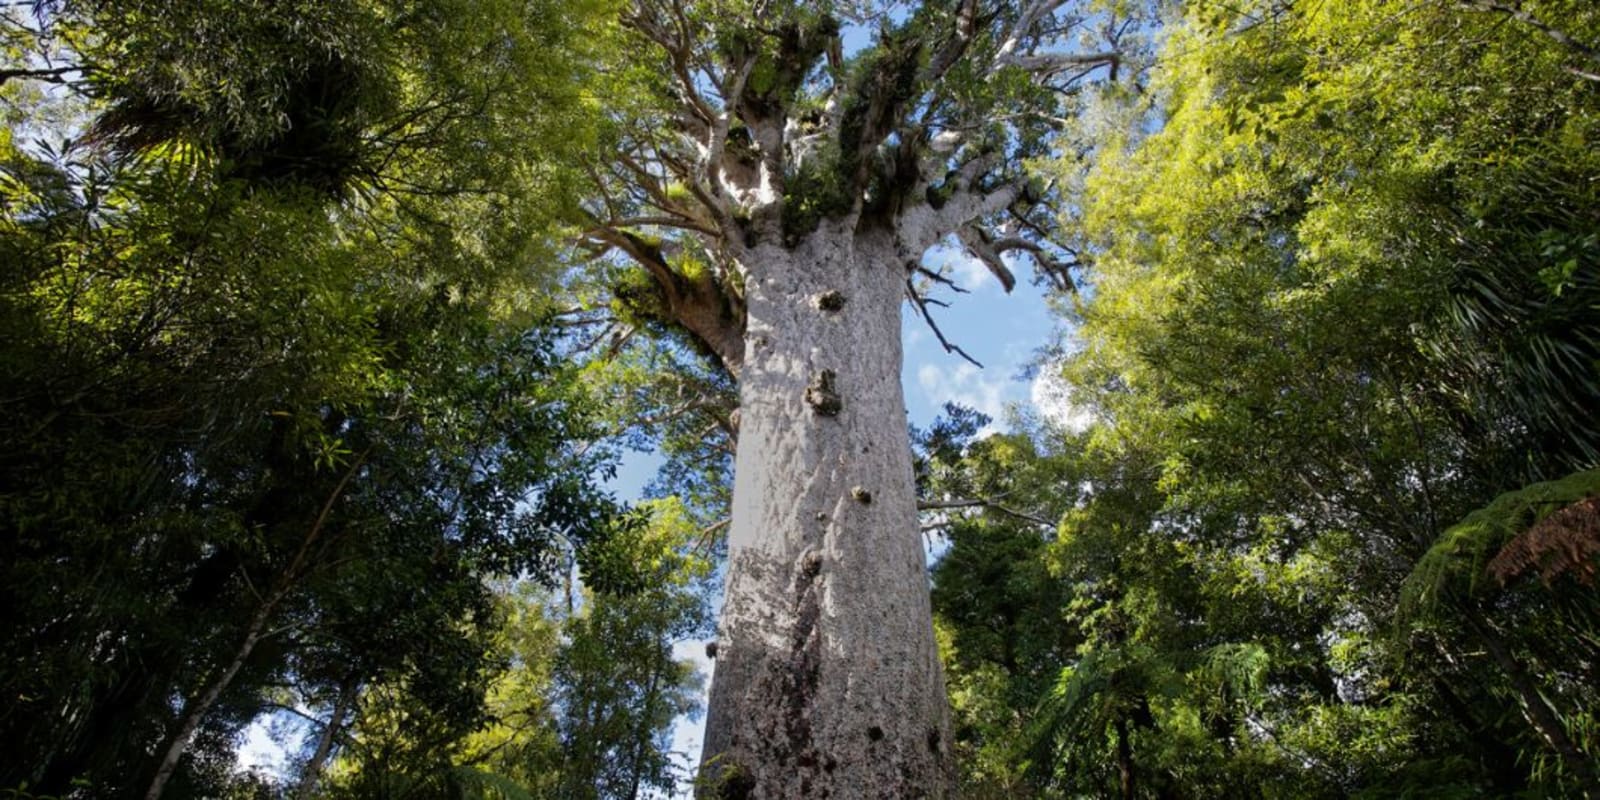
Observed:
{"x":924,"y":225}
{"x":1556,"y":34}
{"x":704,"y":537}
{"x":56,"y":75}
{"x":940,"y":279}
{"x":1030,"y":16}
{"x":920,"y":303}
{"x":956,"y":46}
{"x":977,"y":242}
{"x":979,"y":502}
{"x":1047,"y":64}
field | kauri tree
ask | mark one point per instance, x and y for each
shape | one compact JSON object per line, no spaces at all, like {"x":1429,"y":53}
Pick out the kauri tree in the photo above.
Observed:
{"x":777,"y":187}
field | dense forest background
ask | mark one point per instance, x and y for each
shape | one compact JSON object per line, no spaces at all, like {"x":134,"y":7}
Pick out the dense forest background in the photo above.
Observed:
{"x":310,"y":393}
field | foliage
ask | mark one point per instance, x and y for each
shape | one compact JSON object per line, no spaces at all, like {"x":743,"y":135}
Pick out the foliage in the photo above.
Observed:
{"x":579,"y":704}
{"x":273,"y":363}
{"x":1463,"y":559}
{"x":1341,"y":295}
{"x":292,"y":423}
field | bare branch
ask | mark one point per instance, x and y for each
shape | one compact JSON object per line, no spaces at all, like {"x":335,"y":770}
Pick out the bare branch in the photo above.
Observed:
{"x":979,"y":502}
{"x":920,"y":303}
{"x":650,"y":184}
{"x":705,"y":536}
{"x":1556,"y":34}
{"x":940,"y":279}
{"x":57,"y":75}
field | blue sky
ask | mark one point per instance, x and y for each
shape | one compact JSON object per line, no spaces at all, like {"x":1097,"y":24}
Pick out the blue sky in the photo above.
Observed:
{"x":1004,"y":332}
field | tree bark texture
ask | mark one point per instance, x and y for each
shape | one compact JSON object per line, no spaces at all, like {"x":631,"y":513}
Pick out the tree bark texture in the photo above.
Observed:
{"x":828,"y":682}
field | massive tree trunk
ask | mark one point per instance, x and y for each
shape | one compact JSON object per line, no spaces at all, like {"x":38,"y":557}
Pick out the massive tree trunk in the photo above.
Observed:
{"x":828,"y":681}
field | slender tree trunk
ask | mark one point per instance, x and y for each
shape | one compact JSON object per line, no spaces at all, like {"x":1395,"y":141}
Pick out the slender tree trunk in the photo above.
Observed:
{"x":1535,"y":709}
{"x":828,"y":681}
{"x":1124,"y":759}
{"x":195,"y":710}
{"x":312,"y":774}
{"x":641,"y":733}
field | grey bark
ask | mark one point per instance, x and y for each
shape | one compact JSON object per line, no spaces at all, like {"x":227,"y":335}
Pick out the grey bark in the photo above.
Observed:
{"x":195,"y":711}
{"x":312,"y":774}
{"x":828,"y":682}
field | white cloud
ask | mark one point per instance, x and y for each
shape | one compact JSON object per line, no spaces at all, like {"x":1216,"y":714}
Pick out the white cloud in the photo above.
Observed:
{"x":266,"y":743}
{"x":950,"y":259}
{"x":689,"y":733}
{"x":970,"y":273}
{"x":987,"y":391}
{"x":1052,"y":399}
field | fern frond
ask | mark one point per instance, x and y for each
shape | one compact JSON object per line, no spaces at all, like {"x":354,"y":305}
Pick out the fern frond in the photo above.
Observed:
{"x":1240,"y":668}
{"x":1457,"y":562}
{"x":1566,"y":541}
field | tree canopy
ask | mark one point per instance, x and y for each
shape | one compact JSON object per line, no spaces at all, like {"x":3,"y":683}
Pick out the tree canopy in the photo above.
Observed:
{"x":324,"y":326}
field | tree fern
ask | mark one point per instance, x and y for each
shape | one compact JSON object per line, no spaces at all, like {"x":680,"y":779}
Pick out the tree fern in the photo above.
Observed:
{"x":1509,"y":535}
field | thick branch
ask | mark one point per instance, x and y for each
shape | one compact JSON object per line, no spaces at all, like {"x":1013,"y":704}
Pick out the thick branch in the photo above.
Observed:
{"x":698,"y":304}
{"x":717,"y":139}
{"x":956,"y":46}
{"x":1059,"y":272}
{"x":923,"y":225}
{"x":1047,"y":64}
{"x":1030,"y":16}
{"x":678,"y":222}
